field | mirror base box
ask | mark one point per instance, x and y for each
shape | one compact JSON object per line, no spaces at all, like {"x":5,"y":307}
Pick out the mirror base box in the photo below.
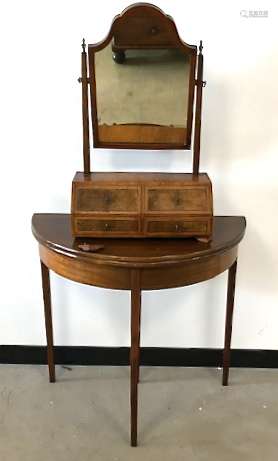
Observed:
{"x":141,"y":205}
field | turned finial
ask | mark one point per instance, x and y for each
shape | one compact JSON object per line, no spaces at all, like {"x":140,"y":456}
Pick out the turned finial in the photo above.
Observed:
{"x":83,"y":45}
{"x":201,"y":46}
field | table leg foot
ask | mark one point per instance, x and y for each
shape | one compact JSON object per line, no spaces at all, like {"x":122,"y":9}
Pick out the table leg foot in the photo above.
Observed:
{"x":134,"y":352}
{"x":48,"y":321}
{"x":229,"y":322}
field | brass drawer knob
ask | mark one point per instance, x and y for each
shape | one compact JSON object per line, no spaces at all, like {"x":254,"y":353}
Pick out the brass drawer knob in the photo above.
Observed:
{"x":154,"y":30}
{"x":178,"y":201}
{"x":107,"y":226}
{"x":177,"y":227}
{"x":107,"y":200}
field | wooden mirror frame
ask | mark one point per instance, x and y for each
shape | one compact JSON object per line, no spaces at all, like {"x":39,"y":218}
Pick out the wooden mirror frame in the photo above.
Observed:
{"x":162,"y":22}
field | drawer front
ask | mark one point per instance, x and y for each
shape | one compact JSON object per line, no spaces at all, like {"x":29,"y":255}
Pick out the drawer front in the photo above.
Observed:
{"x":178,"y":226}
{"x":142,"y":31}
{"x":107,"y":200}
{"x":165,"y":200}
{"x":90,"y":226}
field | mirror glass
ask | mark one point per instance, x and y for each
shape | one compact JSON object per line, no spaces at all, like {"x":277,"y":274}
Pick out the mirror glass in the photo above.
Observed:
{"x":142,"y":94}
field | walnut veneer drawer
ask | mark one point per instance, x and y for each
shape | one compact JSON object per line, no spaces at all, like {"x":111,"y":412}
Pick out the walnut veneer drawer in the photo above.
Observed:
{"x":175,"y":200}
{"x":104,"y":226}
{"x":175,"y":227}
{"x":105,"y":199}
{"x":141,"y":205}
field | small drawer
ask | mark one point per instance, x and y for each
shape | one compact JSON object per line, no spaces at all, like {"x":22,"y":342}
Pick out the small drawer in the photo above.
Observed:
{"x":142,"y":31}
{"x":175,"y":200}
{"x":177,"y":227}
{"x":102,"y":199}
{"x":104,"y":226}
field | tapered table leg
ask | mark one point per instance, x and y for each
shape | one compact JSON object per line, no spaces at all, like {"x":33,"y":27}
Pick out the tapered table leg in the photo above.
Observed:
{"x":48,"y":321}
{"x":134,"y":352}
{"x":139,"y":335}
{"x":229,"y":322}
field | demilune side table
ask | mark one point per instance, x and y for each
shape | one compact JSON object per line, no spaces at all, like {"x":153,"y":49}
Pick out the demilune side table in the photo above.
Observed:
{"x":136,"y":265}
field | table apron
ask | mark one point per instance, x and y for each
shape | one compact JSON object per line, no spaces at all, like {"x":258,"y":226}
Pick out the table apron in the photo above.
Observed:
{"x":188,"y":273}
{"x":152,"y":278}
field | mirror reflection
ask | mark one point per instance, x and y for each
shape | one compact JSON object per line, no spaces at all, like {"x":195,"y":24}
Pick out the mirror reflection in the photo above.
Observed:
{"x":142,"y":94}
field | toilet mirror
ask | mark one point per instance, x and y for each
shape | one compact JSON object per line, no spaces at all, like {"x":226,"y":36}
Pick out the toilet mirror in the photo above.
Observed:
{"x":142,"y":83}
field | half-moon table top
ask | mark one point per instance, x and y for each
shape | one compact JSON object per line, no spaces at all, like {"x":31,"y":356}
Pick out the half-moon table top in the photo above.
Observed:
{"x":54,"y":232}
{"x":164,"y":262}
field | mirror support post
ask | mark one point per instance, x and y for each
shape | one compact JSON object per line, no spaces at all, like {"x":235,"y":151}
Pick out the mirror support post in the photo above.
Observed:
{"x":198,"y":111}
{"x":85,"y":110}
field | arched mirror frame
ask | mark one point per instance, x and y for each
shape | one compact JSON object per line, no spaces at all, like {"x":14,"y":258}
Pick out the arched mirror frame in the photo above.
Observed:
{"x":160,"y":21}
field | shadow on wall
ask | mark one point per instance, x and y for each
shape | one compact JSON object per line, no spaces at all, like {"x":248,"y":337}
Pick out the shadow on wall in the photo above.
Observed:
{"x":102,"y":317}
{"x":99,"y":316}
{"x":258,"y":267}
{"x":186,"y":315}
